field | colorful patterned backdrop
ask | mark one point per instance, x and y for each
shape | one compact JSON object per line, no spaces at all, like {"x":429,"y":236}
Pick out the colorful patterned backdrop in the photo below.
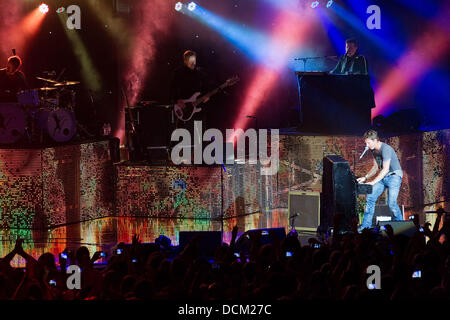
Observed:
{"x":169,"y":191}
{"x":41,"y":188}
{"x":21,"y":198}
{"x":55,"y":186}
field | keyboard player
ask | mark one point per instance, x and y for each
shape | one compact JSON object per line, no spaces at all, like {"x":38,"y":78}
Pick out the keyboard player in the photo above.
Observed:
{"x":389,"y":177}
{"x":352,"y":62}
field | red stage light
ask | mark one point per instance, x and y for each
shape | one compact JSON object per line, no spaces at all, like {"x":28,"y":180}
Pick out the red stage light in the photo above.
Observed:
{"x":43,"y":8}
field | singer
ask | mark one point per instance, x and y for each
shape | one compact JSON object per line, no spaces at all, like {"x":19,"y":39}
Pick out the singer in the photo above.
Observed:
{"x":352,"y":62}
{"x":390,"y":177}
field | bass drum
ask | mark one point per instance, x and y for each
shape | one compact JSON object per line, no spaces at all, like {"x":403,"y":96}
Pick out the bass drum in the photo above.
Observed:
{"x":12,"y":122}
{"x":60,"y":124}
{"x":29,"y":97}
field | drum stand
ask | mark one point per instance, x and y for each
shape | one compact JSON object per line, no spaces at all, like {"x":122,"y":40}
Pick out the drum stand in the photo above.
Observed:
{"x":79,"y":126}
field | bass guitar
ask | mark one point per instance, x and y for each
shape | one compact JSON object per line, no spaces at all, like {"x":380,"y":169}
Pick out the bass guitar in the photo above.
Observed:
{"x":185,"y":109}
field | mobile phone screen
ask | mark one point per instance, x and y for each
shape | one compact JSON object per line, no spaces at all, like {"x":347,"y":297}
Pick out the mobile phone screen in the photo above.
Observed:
{"x":417,"y":274}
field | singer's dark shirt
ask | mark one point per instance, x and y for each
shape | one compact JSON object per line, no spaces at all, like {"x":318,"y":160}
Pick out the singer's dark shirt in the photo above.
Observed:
{"x":356,"y":64}
{"x":10,"y":85}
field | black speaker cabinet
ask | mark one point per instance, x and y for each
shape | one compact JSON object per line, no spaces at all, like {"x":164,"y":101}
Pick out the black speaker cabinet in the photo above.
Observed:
{"x":280,"y":233}
{"x":338,"y":193}
{"x":404,"y":227}
{"x":114,"y":149}
{"x":381,"y":210}
{"x":207,"y":244}
{"x":153,"y":131}
{"x":305,"y":206}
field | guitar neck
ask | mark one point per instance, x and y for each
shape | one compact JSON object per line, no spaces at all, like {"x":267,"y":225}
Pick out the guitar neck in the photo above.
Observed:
{"x":207,"y":95}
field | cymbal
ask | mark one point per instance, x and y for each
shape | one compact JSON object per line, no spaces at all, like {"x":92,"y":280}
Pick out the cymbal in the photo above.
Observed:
{"x":147,"y":102}
{"x":66,"y":83}
{"x":47,"y":89}
{"x":47,"y":80}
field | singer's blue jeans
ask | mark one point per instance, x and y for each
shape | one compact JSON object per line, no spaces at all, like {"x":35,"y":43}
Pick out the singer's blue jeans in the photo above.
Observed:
{"x":393,"y":183}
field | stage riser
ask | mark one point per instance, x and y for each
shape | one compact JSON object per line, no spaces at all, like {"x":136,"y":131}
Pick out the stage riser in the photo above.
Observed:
{"x":148,"y":191}
{"x":43,"y":188}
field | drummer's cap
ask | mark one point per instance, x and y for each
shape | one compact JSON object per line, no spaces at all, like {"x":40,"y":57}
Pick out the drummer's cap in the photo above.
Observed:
{"x":15,"y":60}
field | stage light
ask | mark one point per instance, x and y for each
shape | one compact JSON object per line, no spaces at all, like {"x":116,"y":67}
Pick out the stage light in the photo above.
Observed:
{"x":330,"y":3}
{"x":43,"y":8}
{"x":60,"y":10}
{"x":192,"y":6}
{"x":178,"y":6}
{"x":314,"y":4}
{"x":89,"y":73}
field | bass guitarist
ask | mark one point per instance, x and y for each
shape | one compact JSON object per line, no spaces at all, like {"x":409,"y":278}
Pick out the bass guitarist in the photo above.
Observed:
{"x":188,"y":80}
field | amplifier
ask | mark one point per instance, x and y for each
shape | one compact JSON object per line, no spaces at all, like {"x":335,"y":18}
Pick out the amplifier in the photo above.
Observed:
{"x":307,"y":206}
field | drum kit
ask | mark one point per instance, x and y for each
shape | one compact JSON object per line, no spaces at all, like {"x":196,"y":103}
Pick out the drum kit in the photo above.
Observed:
{"x":40,"y":114}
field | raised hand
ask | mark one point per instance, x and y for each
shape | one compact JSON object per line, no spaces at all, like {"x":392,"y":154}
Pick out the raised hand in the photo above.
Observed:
{"x":389,"y":230}
{"x":136,"y":240}
{"x":361,"y":180}
{"x":96,"y":256}
{"x":18,"y":247}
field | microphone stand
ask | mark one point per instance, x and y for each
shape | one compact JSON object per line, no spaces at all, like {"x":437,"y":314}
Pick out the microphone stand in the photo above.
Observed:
{"x":293,"y":223}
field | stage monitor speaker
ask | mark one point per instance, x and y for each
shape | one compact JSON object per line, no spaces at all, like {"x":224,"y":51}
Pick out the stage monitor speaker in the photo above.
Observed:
{"x":404,"y":227}
{"x":304,"y":210}
{"x":208,"y":242}
{"x":381,"y":210}
{"x":280,"y":233}
{"x":338,"y":193}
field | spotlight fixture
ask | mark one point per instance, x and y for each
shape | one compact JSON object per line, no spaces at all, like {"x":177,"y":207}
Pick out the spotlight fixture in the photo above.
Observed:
{"x":314,"y":4}
{"x":330,"y":3}
{"x":43,"y":8}
{"x":192,"y":6}
{"x":178,"y":6}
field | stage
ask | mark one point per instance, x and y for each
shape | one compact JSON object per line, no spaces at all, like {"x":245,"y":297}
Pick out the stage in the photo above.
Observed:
{"x":72,"y":195}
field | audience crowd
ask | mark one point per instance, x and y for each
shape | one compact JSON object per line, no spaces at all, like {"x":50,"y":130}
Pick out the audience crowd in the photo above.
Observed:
{"x":333,"y":267}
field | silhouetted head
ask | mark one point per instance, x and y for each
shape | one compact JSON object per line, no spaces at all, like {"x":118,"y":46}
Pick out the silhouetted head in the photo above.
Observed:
{"x":13,"y":65}
{"x":190,"y":59}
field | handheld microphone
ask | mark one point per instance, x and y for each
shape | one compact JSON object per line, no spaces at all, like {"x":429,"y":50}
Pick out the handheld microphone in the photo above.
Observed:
{"x":365,"y":150}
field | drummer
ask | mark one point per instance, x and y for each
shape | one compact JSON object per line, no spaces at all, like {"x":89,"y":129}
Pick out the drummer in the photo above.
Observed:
{"x":12,"y":80}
